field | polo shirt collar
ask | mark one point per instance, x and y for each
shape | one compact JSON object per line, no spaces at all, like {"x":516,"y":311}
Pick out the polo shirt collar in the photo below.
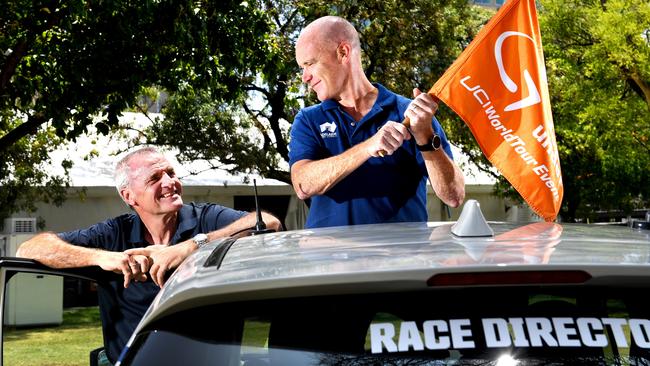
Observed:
{"x":384,"y":99}
{"x":137,"y":231}
{"x":186,"y":221}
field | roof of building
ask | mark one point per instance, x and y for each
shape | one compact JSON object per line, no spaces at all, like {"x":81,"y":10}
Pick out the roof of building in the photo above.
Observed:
{"x":94,"y":159}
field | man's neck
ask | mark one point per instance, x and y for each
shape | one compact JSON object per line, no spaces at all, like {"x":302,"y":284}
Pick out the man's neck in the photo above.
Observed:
{"x":160,"y":229}
{"x":359,"y":99}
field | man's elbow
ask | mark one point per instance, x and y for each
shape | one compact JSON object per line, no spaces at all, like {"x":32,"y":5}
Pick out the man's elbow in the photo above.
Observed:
{"x":454,"y":203}
{"x":27,"y":248}
{"x":301,"y":193}
{"x":272,"y":222}
{"x":20,"y":253}
{"x":455,"y":197}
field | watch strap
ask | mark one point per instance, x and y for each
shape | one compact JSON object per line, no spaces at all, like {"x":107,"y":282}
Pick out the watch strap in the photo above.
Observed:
{"x":432,"y":145}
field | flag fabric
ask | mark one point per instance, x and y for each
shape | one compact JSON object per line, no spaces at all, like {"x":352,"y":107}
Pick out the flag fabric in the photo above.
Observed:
{"x":498,"y":87}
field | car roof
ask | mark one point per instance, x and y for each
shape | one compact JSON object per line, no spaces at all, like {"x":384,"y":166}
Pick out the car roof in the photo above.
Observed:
{"x":393,"y":257}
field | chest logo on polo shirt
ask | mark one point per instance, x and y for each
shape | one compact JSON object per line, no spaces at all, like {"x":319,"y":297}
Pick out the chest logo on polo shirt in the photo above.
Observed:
{"x":328,"y":130}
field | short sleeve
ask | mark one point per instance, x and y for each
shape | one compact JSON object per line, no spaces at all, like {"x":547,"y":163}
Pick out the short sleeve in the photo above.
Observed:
{"x":101,"y":235}
{"x":215,"y":217}
{"x":304,"y":142}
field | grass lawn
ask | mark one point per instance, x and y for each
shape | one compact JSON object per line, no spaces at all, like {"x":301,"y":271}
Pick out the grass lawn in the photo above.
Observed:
{"x":64,"y":345}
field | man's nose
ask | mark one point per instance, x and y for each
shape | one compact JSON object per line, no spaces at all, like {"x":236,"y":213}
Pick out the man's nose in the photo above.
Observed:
{"x":167,"y":180}
{"x":306,"y":75}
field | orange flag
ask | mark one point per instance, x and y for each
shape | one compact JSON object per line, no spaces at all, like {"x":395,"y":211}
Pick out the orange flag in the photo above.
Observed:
{"x":498,"y":87}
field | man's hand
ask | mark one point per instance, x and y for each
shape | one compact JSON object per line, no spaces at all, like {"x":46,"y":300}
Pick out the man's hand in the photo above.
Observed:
{"x":420,"y":113}
{"x":388,"y":139}
{"x":133,"y":267}
{"x":163,"y":258}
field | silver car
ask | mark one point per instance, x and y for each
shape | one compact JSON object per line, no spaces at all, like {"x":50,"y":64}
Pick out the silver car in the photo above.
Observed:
{"x":464,"y":293}
{"x":437,"y":293}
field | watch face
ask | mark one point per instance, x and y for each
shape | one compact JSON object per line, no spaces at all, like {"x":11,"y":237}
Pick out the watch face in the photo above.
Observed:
{"x":436,"y":142}
{"x":200,"y":239}
{"x":432,"y":145}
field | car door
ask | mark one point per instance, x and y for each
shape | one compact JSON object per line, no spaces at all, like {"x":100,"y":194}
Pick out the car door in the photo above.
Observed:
{"x":32,"y":295}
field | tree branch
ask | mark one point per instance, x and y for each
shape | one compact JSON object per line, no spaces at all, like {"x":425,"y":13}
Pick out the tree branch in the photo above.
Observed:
{"x":640,"y":141}
{"x":12,"y":62}
{"x":642,"y":87}
{"x":277,"y":113}
{"x":260,"y":127}
{"x":24,"y":129}
{"x":258,"y":89}
{"x":283,"y":28}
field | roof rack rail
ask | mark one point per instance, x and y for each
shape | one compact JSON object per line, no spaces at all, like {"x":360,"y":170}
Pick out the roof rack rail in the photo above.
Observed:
{"x":217,"y":255}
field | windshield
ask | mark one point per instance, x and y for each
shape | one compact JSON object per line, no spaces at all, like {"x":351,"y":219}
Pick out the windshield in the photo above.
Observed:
{"x":501,"y":326}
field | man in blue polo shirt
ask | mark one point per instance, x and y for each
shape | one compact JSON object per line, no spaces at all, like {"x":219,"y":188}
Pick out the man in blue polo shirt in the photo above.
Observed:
{"x":348,"y":154}
{"x":141,"y":246}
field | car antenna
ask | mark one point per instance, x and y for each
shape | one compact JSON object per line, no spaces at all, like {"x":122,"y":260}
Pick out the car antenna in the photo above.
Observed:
{"x":260,"y":226}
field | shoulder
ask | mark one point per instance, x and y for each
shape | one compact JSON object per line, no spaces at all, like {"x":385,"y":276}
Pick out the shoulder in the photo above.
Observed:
{"x":319,"y":112}
{"x":206,"y":208}
{"x":311,"y":114}
{"x":102,"y":232}
{"x":124,"y":221}
{"x":211,"y":216}
{"x":388,"y":97}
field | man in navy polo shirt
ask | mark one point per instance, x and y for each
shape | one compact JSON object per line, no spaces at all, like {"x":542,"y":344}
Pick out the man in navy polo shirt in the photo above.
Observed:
{"x":348,"y":154}
{"x":141,"y":246}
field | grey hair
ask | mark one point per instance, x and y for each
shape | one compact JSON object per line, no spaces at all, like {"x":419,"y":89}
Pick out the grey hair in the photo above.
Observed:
{"x":122,"y":169}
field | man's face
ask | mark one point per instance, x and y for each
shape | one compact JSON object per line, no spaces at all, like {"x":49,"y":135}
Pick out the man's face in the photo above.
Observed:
{"x":322,"y":70}
{"x":154,"y":187}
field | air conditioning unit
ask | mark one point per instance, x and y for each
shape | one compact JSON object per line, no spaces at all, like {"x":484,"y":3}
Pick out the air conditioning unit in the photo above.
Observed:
{"x":20,"y":225}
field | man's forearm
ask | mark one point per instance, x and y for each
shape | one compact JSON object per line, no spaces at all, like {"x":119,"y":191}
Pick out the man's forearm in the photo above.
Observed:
{"x":446,"y":178}
{"x":245,"y":223}
{"x":315,"y":177}
{"x":50,"y":250}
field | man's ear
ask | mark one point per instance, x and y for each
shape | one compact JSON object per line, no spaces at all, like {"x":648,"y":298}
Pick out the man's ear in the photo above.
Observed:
{"x":128,"y":196}
{"x":343,"y":51}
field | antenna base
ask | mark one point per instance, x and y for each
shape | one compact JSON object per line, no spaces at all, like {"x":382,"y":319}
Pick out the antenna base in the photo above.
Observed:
{"x":261,"y":231}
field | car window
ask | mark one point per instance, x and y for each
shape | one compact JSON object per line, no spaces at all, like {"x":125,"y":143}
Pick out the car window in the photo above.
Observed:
{"x":560,"y":325}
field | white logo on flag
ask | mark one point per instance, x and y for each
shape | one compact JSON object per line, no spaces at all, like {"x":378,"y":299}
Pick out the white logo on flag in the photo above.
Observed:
{"x":531,"y":99}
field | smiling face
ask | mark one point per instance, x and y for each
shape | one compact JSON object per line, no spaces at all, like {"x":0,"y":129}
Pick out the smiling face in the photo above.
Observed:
{"x":322,"y":65}
{"x":153,"y":187}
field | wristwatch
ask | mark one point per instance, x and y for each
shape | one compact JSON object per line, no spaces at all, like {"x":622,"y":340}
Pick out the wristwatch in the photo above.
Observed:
{"x":200,"y":239}
{"x":432,"y":145}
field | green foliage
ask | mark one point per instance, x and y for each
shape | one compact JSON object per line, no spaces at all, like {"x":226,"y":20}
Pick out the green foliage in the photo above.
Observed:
{"x":598,"y":65}
{"x":235,"y":87}
{"x":402,"y":49}
{"x":23,"y":177}
{"x":62,"y":63}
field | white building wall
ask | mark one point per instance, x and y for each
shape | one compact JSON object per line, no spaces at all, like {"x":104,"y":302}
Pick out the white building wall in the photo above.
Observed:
{"x":100,"y":203}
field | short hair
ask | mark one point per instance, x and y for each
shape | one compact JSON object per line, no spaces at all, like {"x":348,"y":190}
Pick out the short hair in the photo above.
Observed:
{"x":123,"y":170}
{"x":336,"y":29}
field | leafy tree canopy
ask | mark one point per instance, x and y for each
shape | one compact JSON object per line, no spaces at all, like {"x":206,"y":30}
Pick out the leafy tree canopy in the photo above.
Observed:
{"x":598,"y":69}
{"x":235,"y":86}
{"x":405,"y":44}
{"x":62,"y":63}
{"x":598,"y":62}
